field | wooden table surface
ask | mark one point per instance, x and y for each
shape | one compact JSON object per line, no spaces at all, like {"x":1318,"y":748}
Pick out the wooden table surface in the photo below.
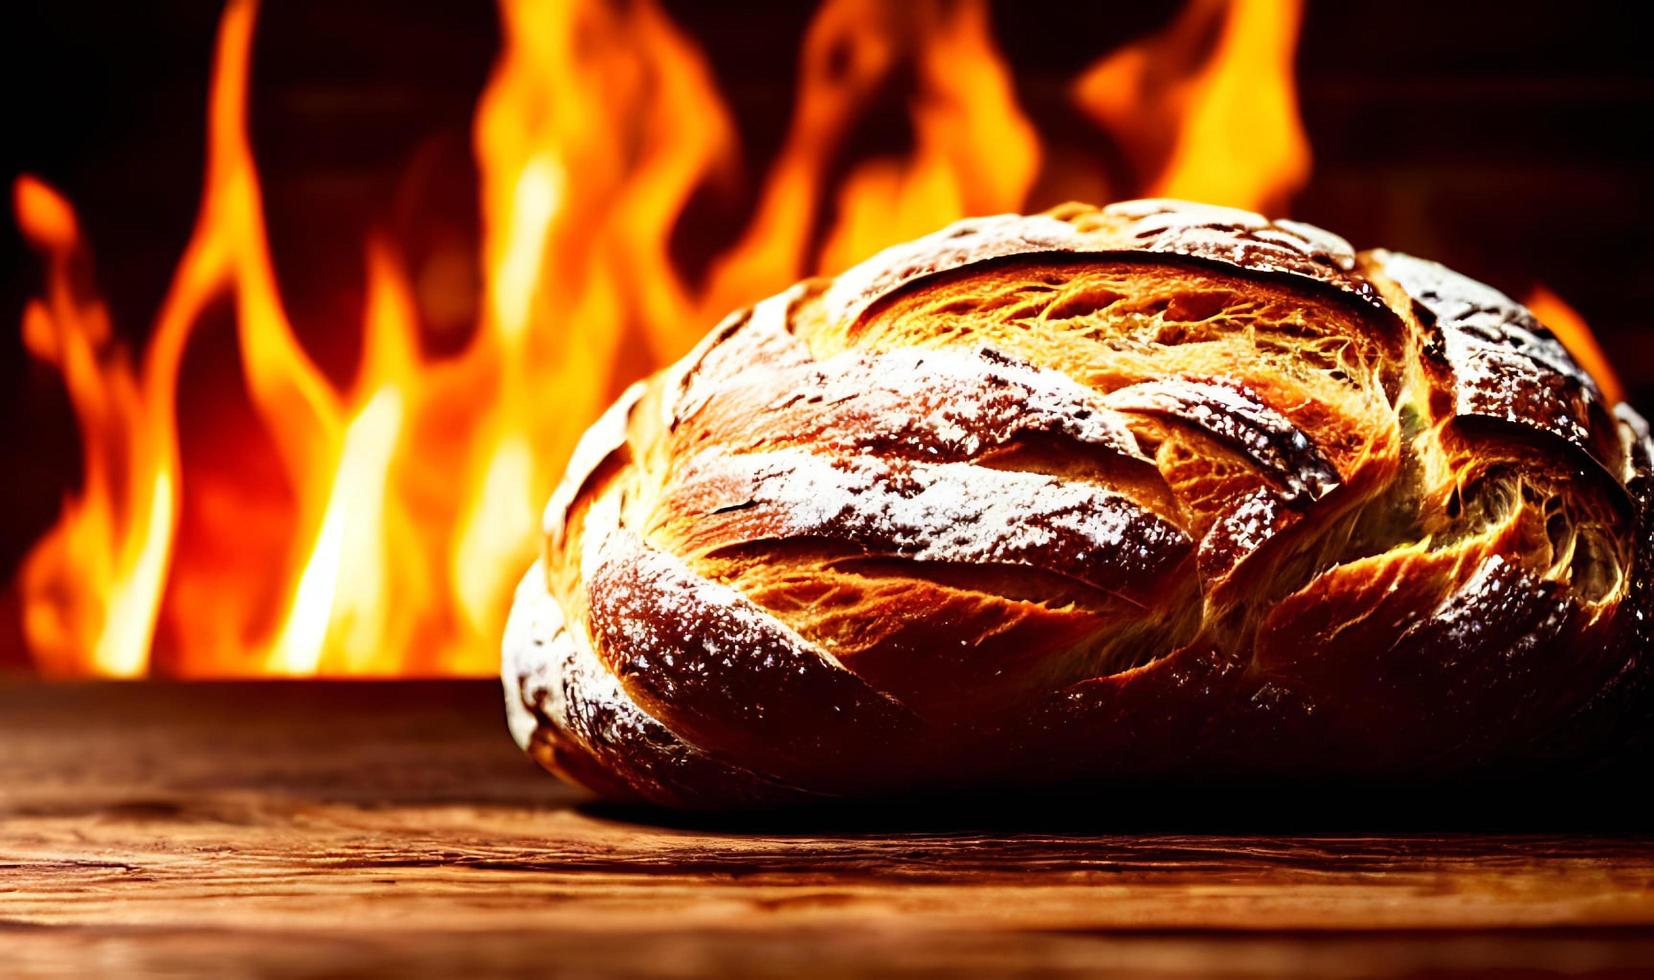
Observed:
{"x":336,"y":829}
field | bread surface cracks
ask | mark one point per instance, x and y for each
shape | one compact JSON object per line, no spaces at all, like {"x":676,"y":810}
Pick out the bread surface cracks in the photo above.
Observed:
{"x":1106,"y":325}
{"x":1476,"y":489}
{"x":1356,"y":392}
{"x":1130,"y":489}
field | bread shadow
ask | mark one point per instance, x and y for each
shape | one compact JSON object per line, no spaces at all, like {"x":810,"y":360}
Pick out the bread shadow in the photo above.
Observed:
{"x":1598,"y":804}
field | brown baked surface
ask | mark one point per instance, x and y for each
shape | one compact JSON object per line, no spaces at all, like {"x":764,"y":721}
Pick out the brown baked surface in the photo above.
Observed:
{"x":1154,"y":490}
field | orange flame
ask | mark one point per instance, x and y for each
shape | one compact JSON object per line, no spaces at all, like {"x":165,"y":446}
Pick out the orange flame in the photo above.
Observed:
{"x":1217,"y":124}
{"x":411,"y":498}
{"x":92,"y":585}
{"x":974,"y":153}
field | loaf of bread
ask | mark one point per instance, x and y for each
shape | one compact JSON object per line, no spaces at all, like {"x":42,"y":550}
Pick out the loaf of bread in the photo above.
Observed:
{"x":1155,"y":490}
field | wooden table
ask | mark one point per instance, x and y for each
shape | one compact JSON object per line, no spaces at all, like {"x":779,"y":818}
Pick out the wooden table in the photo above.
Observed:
{"x":336,"y":829}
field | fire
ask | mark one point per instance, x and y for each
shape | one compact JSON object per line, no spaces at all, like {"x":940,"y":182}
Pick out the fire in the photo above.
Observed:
{"x":1219,"y":126}
{"x":386,"y":534}
{"x":92,"y":585}
{"x":974,"y":151}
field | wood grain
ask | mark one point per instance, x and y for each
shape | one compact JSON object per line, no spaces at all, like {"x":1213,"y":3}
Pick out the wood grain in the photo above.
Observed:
{"x":280,"y":829}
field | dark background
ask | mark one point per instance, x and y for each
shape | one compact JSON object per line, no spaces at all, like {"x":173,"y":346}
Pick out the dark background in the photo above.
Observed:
{"x":1509,"y":140}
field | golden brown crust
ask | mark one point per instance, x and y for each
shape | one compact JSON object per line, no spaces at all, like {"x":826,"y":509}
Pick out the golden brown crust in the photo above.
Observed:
{"x":1151,"y":489}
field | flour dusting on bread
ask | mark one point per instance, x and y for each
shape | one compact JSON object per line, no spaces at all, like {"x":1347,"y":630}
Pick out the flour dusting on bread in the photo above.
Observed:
{"x":1155,"y":489}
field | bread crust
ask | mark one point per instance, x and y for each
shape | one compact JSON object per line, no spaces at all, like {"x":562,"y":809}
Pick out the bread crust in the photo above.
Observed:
{"x":1156,"y":489}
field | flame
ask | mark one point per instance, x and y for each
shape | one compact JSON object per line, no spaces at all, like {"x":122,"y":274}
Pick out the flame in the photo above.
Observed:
{"x":1219,"y":125}
{"x":385,"y":534}
{"x":92,"y":585}
{"x":975,"y":152}
{"x":1575,"y":334}
{"x":342,"y":600}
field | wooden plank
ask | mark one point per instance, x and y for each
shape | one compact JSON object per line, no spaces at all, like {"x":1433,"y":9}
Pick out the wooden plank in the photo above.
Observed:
{"x":391,"y":828}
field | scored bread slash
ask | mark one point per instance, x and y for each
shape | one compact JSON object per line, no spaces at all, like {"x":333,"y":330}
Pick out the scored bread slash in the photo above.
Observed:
{"x":1153,"y":490}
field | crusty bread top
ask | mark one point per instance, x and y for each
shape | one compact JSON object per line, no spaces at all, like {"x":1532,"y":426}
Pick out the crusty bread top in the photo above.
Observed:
{"x":1027,"y":453}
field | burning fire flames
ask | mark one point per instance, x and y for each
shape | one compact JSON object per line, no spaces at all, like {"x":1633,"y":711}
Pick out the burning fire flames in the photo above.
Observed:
{"x":406,"y":504}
